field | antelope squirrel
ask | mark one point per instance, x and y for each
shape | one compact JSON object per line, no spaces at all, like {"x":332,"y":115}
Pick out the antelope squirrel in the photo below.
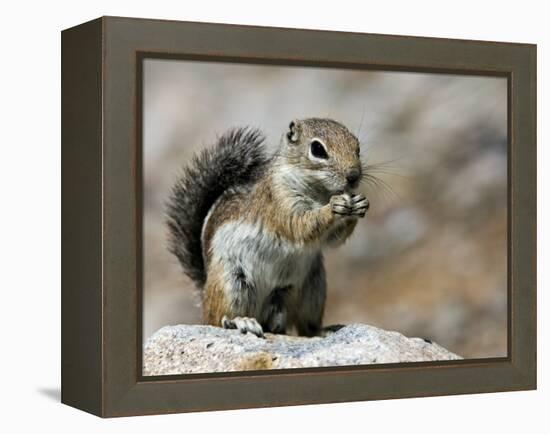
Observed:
{"x":249,"y":229}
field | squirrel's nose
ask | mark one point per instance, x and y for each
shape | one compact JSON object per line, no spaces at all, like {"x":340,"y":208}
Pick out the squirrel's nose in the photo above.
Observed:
{"x":352,"y":176}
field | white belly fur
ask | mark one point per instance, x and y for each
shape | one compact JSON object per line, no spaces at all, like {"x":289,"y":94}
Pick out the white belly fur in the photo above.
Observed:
{"x":267,"y":261}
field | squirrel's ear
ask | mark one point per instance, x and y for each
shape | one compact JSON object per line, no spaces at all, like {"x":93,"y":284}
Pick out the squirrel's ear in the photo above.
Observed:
{"x":293,"y":132}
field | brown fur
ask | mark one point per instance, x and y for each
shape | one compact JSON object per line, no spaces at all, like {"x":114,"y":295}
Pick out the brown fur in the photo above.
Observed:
{"x":302,"y":218}
{"x":276,"y":212}
{"x":232,"y":205}
{"x":341,"y":232}
{"x":214,"y":303}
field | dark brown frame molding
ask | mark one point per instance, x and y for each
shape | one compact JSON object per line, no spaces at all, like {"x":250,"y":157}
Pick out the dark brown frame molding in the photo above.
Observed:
{"x":101,"y":216}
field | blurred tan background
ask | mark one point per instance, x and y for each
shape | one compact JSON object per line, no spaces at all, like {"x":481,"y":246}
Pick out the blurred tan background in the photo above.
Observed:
{"x":429,"y":259}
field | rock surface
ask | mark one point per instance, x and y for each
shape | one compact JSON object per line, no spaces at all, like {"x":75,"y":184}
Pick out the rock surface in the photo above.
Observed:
{"x":185,"y":349}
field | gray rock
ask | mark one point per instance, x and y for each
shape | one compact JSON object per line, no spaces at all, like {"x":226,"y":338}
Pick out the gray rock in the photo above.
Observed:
{"x":185,"y":349}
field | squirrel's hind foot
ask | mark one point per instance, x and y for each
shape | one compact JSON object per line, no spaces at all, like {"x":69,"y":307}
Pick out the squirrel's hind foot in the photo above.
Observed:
{"x":243,"y":324}
{"x":328,"y":330}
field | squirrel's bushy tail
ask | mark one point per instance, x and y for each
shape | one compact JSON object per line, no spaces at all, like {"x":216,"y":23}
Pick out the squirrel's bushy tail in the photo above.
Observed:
{"x":238,"y":158}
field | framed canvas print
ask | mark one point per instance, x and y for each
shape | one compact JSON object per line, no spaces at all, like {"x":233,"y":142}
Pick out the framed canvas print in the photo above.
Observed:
{"x":261,"y":217}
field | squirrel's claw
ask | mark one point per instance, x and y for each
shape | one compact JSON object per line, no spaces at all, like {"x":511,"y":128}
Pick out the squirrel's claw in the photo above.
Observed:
{"x":360,"y":205}
{"x":341,"y":204}
{"x":333,"y":328}
{"x":243,"y":324}
{"x":346,"y":205}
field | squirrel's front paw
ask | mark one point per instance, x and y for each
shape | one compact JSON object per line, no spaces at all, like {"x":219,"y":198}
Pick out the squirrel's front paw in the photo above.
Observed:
{"x":341,"y":205}
{"x":359,"y":205}
{"x":243,"y":324}
{"x":346,"y":205}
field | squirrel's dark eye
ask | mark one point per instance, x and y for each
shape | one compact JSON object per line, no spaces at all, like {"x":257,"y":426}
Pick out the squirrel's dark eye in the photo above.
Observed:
{"x":318,"y":150}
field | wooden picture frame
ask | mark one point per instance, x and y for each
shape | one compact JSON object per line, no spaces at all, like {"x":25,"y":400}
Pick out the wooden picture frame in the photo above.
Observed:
{"x":101,"y":216}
